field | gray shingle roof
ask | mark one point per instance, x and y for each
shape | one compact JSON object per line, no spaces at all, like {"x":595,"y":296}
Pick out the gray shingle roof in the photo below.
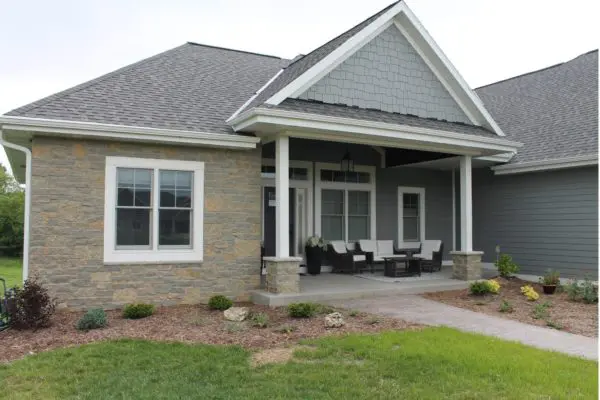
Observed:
{"x":553,"y":111}
{"x":366,"y":114}
{"x":191,"y":87}
{"x":301,"y":65}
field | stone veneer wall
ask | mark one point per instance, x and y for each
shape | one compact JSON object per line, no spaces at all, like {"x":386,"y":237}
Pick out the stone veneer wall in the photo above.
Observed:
{"x":67,"y":231}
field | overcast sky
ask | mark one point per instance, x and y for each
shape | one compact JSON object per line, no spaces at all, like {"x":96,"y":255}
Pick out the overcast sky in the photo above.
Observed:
{"x":48,"y":46}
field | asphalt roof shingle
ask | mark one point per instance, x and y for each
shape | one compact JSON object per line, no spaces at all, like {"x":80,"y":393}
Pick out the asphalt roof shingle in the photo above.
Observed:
{"x":191,"y":87}
{"x":553,"y":111}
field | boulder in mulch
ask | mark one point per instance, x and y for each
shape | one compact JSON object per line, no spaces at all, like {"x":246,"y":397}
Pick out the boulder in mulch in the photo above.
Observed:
{"x":334,"y":320}
{"x":237,"y":314}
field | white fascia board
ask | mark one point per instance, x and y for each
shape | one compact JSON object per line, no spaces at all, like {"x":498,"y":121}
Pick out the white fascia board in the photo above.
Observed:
{"x":128,"y":133}
{"x":499,"y":158}
{"x":299,"y":123}
{"x":336,"y":57}
{"x":547,"y":165}
{"x":255,"y":95}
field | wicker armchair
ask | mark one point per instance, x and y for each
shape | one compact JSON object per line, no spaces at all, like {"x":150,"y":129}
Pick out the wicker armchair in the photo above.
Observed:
{"x":344,"y":257}
{"x":431,"y":255}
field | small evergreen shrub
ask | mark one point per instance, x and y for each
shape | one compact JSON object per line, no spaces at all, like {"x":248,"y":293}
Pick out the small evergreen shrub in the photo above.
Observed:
{"x":506,"y":266}
{"x":219,"y":302}
{"x":259,"y":320}
{"x":137,"y":311}
{"x":302,"y":310}
{"x":479,"y":288}
{"x":506,"y":307}
{"x":29,"y":307}
{"x":585,"y":292}
{"x":93,"y":319}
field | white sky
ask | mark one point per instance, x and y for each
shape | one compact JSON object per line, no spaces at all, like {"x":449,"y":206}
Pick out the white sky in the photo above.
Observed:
{"x":48,"y":46}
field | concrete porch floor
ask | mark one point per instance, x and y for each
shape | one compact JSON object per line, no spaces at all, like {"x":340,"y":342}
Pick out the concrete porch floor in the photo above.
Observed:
{"x":328,"y":286}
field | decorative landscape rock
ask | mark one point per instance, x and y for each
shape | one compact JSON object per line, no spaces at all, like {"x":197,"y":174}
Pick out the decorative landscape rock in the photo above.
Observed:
{"x":334,"y":320}
{"x":237,"y":314}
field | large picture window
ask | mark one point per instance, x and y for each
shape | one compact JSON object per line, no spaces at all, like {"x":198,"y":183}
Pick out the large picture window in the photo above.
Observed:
{"x":153,"y":210}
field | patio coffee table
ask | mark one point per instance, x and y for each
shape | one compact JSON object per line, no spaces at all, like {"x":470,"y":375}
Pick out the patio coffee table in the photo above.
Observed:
{"x":411,"y":267}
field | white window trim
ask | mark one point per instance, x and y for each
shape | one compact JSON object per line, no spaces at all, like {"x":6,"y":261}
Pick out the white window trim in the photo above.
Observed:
{"x":370,"y":187}
{"x":411,"y":190}
{"x":154,"y":255}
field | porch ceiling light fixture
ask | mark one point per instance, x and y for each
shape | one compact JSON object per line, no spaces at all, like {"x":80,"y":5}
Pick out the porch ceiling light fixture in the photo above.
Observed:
{"x":347,"y":163}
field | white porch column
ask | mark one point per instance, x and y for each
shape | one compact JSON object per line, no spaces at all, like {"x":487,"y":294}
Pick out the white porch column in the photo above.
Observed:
{"x":282,"y":193}
{"x":466,"y":205}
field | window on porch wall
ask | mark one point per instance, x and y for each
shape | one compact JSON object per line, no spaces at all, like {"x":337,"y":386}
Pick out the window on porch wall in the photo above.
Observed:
{"x":335,"y":216}
{"x":411,"y":216}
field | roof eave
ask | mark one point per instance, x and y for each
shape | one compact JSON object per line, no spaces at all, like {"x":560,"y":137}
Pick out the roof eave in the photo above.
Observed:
{"x":547,"y":165}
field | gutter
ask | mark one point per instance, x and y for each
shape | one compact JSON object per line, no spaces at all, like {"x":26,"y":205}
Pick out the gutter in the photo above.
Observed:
{"x":44,"y":126}
{"x":27,"y":213}
{"x":547,"y":165}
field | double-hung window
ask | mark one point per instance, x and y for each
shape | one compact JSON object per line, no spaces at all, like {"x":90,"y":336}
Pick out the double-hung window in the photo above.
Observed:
{"x":153,"y":211}
{"x":411,"y":214}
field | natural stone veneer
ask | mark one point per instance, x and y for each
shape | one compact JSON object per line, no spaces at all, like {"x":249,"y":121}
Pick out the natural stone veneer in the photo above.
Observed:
{"x":67,"y":227}
{"x":282,"y":274}
{"x":466,"y":265}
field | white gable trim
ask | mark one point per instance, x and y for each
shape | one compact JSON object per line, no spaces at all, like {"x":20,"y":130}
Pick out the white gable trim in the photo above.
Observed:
{"x":547,"y":165}
{"x":336,"y":57}
{"x":399,"y":15}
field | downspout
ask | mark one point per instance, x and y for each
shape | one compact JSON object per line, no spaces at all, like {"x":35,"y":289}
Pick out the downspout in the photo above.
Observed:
{"x":27,"y":201}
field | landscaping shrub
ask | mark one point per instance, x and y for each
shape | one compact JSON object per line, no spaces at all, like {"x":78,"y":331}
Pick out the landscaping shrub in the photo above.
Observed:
{"x":324,"y":309}
{"x":552,"y":324}
{"x":93,"y":319}
{"x":530,"y":293}
{"x":259,"y":320}
{"x":302,"y":310}
{"x":479,"y":288}
{"x":586,"y":291}
{"x":506,"y":307}
{"x":506,"y":266}
{"x":219,"y":302}
{"x":30,"y":307}
{"x":137,"y":311}
{"x":285,"y":328}
{"x":540,"y":311}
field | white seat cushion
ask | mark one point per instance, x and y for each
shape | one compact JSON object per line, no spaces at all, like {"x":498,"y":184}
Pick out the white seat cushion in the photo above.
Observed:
{"x":428,"y":247}
{"x":368,"y":246}
{"x":385,"y":247}
{"x":339,"y":246}
{"x":359,"y":258}
{"x":351,"y":246}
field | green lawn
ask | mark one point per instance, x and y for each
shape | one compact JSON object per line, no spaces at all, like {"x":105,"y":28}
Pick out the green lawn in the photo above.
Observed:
{"x":434,"y":363}
{"x":11,"y":270}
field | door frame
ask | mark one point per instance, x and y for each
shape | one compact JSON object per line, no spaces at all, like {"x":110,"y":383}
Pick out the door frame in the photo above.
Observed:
{"x":269,"y":181}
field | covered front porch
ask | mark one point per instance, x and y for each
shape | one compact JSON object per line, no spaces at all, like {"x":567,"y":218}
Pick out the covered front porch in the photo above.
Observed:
{"x":349,"y":180}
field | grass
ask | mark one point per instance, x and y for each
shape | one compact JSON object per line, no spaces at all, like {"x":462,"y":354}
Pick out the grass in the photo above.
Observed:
{"x":11,"y":270}
{"x":430,"y":364}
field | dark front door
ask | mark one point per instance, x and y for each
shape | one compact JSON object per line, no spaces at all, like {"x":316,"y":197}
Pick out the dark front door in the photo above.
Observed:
{"x":269,"y":220}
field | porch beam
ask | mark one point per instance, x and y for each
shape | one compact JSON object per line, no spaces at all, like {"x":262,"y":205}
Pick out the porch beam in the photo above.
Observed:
{"x":282,"y":193}
{"x":466,"y":205}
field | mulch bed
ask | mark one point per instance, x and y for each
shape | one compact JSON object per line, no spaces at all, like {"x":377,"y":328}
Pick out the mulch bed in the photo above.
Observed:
{"x":189,"y":324}
{"x":573,"y":317}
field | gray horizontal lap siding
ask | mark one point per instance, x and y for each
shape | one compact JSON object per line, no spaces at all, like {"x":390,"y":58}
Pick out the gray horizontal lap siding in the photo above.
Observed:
{"x":437,"y":184}
{"x":544,"y":219}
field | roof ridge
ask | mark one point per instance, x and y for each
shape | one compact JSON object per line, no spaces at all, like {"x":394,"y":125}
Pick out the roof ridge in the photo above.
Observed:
{"x":236,"y":50}
{"x":343,"y":33}
{"x":87,"y":84}
{"x":535,"y":71}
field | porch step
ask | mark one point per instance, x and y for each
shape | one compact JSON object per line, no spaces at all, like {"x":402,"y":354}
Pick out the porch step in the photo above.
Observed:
{"x":355,"y":290}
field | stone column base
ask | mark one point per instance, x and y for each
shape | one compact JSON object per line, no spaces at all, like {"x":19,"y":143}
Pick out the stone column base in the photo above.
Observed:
{"x":466,"y":265}
{"x":282,"y":274}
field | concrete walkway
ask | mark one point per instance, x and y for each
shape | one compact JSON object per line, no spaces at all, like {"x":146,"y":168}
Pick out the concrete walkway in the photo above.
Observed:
{"x":417,"y":309}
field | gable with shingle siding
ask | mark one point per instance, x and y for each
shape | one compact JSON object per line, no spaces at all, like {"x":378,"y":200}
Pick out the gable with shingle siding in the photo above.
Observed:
{"x":387,"y":74}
